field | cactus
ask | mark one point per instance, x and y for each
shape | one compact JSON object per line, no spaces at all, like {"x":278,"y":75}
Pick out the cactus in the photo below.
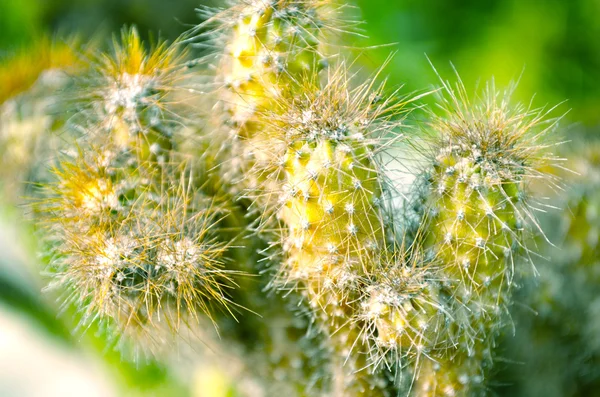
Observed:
{"x":19,"y":72}
{"x":153,"y":214}
{"x":476,"y":206}
{"x":330,"y":197}
{"x":271,"y":47}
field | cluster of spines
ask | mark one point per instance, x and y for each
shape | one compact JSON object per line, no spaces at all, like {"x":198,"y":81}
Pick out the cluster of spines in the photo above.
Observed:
{"x":132,"y":234}
{"x":402,"y":312}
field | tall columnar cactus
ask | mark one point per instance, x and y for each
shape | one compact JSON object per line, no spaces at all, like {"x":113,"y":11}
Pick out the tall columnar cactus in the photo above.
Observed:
{"x":269,"y":45}
{"x":477,"y":207}
{"x":331,"y":197}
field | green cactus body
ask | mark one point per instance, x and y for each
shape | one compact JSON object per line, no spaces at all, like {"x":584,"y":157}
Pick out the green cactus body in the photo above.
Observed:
{"x":584,"y":221}
{"x":31,"y":85}
{"x":476,"y":213}
{"x":146,"y":231}
{"x":332,"y":222}
{"x":331,"y":213}
{"x":134,"y":236}
{"x":475,"y":228}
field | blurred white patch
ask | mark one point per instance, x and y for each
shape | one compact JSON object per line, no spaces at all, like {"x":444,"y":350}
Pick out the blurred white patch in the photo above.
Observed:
{"x":32,"y":364}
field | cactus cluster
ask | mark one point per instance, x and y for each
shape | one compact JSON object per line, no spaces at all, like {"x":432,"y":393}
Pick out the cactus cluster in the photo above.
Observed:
{"x":260,"y":206}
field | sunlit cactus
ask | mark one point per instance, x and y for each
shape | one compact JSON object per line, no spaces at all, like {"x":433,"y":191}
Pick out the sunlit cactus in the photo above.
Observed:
{"x":402,"y":313}
{"x":130,"y":232}
{"x":477,"y":209}
{"x":269,"y":45}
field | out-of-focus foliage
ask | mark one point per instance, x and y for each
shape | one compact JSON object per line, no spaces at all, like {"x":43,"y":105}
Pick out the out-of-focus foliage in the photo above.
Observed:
{"x":553,"y":44}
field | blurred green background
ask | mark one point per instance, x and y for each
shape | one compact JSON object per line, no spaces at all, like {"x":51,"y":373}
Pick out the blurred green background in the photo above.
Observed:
{"x":552,"y":45}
